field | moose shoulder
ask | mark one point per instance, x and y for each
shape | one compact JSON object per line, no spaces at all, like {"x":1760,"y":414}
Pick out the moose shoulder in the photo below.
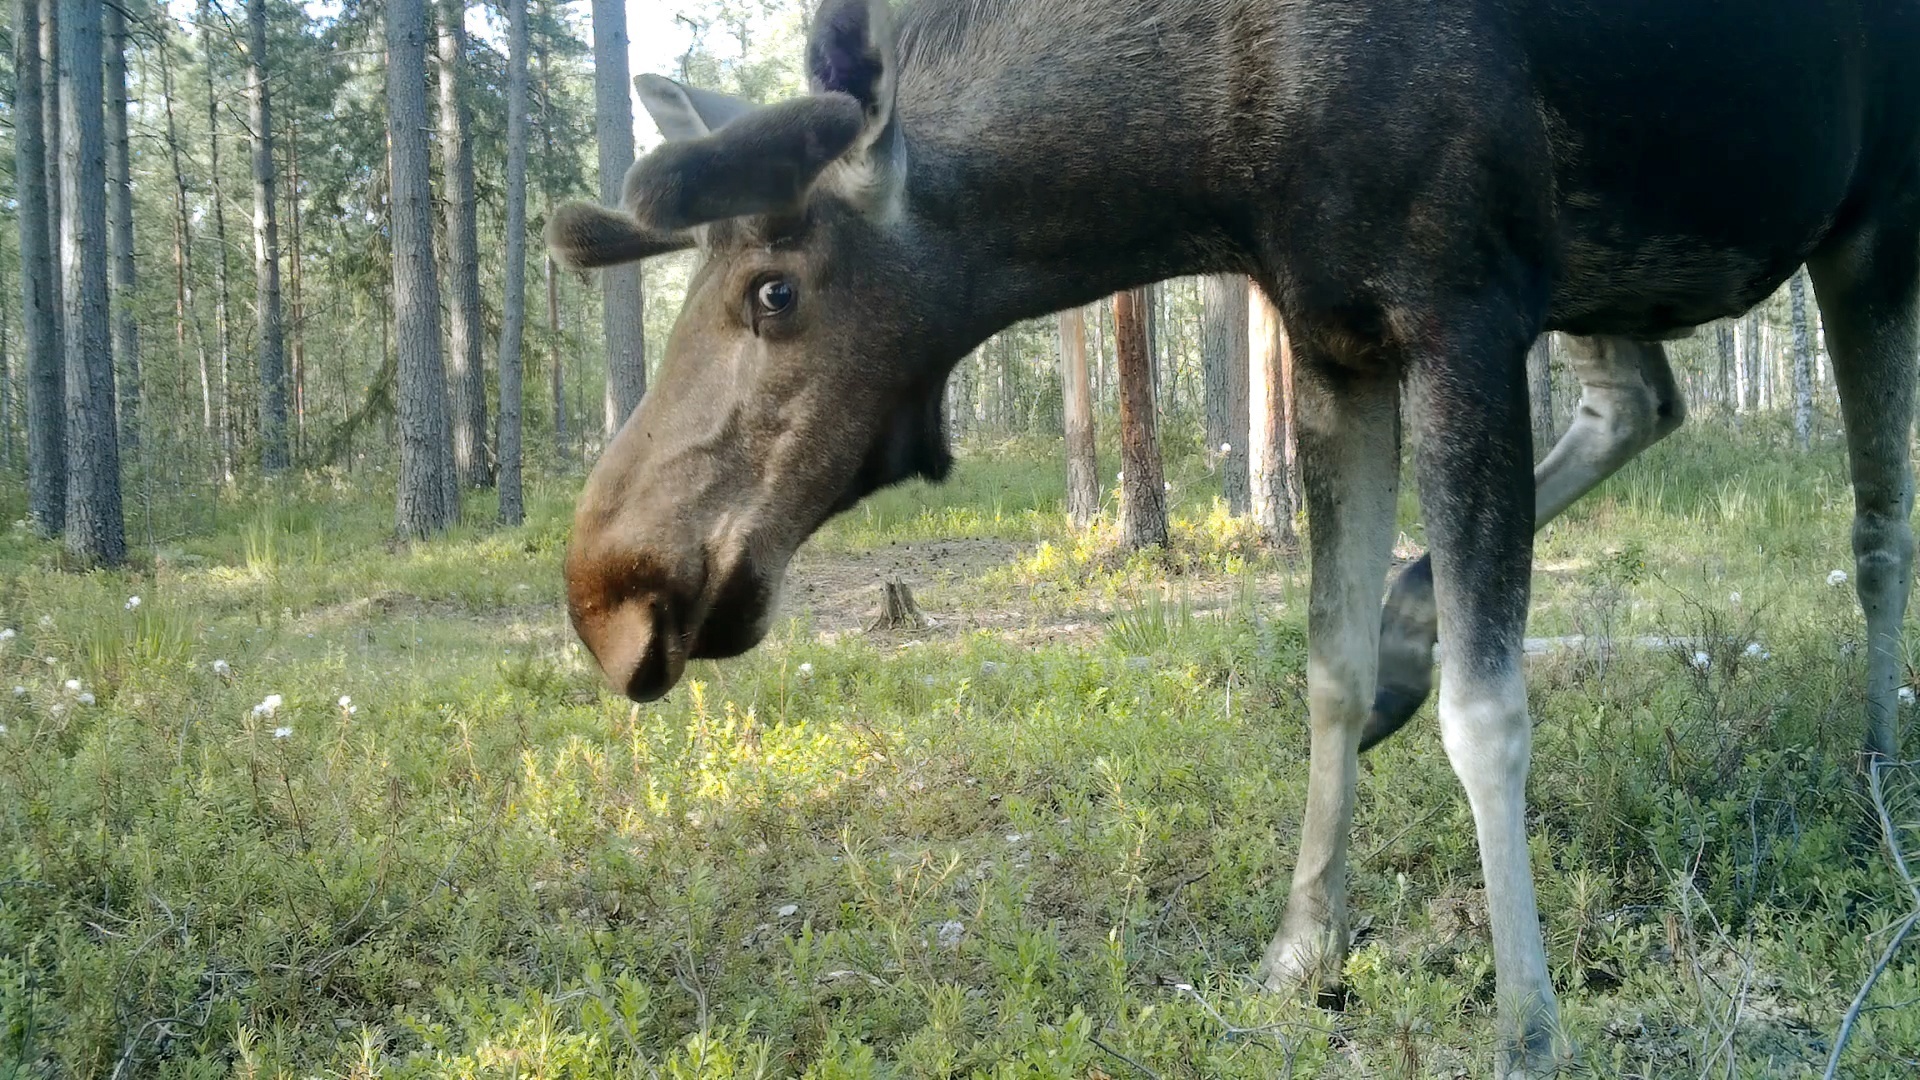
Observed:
{"x":1422,"y":189}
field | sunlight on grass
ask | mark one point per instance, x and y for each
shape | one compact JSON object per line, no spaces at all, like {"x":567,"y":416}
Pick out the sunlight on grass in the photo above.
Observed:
{"x":323,"y":805}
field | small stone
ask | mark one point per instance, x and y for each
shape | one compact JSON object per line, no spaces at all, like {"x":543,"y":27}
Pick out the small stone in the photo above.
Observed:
{"x":788,"y":911}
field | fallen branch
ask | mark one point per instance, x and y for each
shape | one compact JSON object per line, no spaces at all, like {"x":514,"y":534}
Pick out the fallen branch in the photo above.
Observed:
{"x":1891,"y":834}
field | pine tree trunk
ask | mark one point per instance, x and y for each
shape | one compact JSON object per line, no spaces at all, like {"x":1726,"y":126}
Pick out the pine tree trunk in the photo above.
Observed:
{"x":1223,"y":356}
{"x":513,"y":313}
{"x":96,"y":531}
{"x":1723,"y":335}
{"x":1802,"y":363}
{"x":126,"y":331}
{"x":296,"y":293}
{"x":6,"y":382}
{"x":1076,"y":400}
{"x":39,"y":303}
{"x":1143,"y":492}
{"x":50,"y":111}
{"x":1267,"y":380}
{"x":1540,"y":394}
{"x":182,"y":239}
{"x":269,"y":323}
{"x":222,"y":324}
{"x":428,"y":498}
{"x":1750,"y":361}
{"x":556,"y":373}
{"x":466,"y":366}
{"x":622,"y":314}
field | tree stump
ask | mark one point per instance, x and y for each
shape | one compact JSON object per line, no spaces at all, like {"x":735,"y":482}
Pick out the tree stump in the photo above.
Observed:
{"x":898,"y":611}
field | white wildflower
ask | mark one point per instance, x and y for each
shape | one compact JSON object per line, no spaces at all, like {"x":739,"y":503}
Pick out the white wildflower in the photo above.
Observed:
{"x":221,"y":668}
{"x":1837,"y":577}
{"x":46,"y":621}
{"x":282,"y":732}
{"x":268,"y":705}
{"x":132,"y":602}
{"x":1169,"y":485}
{"x":1733,"y":599}
{"x":1906,"y":695}
{"x":73,"y":686}
{"x":806,"y":670}
{"x":346,"y":702}
{"x":1226,"y":448}
{"x":788,"y":911}
{"x":86,"y":699}
{"x":19,"y":691}
{"x":6,"y":635}
{"x":1757,"y":651}
{"x":3,"y":729}
{"x":1701,"y":661}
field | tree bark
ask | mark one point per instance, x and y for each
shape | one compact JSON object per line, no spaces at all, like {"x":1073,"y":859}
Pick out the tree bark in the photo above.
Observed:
{"x":1749,"y":370}
{"x":39,"y":302}
{"x":622,"y":314}
{"x":296,"y":293}
{"x":1802,"y":363}
{"x":428,"y":497}
{"x":513,"y":314}
{"x":50,"y":112}
{"x":1723,"y":347}
{"x":466,"y":367}
{"x":1143,"y":492}
{"x":1223,"y":355}
{"x":269,"y":324}
{"x":1076,"y":400}
{"x":96,"y":530}
{"x":182,"y":239}
{"x":222,"y":324}
{"x":1270,"y":420}
{"x":126,"y":331}
{"x":1540,"y":394}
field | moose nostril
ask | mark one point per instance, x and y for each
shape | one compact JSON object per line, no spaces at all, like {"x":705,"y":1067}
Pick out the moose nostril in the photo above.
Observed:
{"x":638,"y":646}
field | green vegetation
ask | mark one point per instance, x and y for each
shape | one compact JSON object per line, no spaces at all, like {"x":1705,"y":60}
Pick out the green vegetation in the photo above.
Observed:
{"x":1013,"y":848}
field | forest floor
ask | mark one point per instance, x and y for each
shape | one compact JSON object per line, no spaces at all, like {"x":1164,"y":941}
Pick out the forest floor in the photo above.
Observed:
{"x":323,"y":805}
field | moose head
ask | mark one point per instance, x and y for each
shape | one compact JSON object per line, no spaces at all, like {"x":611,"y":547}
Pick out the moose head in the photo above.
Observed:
{"x":805,"y":370}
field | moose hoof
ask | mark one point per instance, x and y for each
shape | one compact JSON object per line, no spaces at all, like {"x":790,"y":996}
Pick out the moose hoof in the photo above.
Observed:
{"x":1296,"y":962}
{"x":1541,"y":1052}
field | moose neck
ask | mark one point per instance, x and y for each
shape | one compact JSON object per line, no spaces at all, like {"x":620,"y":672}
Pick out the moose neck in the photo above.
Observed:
{"x":1060,"y":151}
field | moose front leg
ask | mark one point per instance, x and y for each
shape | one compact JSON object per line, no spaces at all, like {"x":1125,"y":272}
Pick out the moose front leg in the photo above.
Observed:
{"x":1350,"y":459}
{"x":1628,"y":402}
{"x":1470,"y":418}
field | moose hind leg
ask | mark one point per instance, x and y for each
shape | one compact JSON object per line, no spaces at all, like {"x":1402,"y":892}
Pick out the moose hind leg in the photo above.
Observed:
{"x":1628,"y":402}
{"x":1867,"y":286}
{"x":1349,"y":451}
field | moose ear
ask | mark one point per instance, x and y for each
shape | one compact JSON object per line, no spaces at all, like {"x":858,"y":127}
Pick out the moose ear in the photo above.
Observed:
{"x":850,"y":51}
{"x":763,"y":161}
{"x":684,"y":112}
{"x":584,"y":236}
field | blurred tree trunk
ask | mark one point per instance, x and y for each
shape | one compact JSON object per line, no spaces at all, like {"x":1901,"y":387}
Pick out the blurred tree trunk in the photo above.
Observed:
{"x":1802,"y":363}
{"x":622,"y":312}
{"x":1271,"y":460}
{"x":513,"y":308}
{"x":296,"y":293}
{"x":428,"y":498}
{"x":466,"y":368}
{"x":1223,"y":355}
{"x":1143,"y":493}
{"x":96,"y":530}
{"x":1540,"y":394}
{"x":557,"y":375}
{"x":221,"y":324}
{"x":126,"y":331}
{"x":269,"y":324}
{"x":1083,"y":480}
{"x":1723,"y":347}
{"x":182,"y":240}
{"x":39,"y":301}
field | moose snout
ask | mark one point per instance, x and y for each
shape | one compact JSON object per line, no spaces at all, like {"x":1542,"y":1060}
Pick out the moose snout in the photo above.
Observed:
{"x":637,"y":642}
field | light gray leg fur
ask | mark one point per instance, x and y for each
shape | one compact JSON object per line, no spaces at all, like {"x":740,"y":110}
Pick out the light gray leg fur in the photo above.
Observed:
{"x":1350,"y":457}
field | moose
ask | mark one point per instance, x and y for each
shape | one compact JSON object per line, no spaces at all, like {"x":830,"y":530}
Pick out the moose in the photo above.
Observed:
{"x":1421,"y":189}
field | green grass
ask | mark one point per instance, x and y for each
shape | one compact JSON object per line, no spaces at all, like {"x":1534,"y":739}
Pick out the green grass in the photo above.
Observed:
{"x":963,"y":855}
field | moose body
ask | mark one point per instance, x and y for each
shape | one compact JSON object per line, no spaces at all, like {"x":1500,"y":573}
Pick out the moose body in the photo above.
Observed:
{"x":1421,"y":188}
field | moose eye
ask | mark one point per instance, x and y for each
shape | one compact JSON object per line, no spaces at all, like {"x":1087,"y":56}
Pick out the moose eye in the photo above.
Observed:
{"x":774,"y":297}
